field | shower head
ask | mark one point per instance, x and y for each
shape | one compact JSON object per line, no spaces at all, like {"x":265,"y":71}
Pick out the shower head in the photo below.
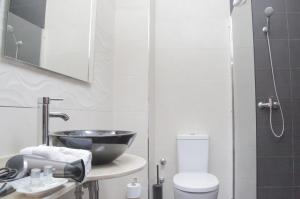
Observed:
{"x":269,"y":11}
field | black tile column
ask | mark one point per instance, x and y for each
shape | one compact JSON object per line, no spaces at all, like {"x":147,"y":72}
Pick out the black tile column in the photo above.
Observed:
{"x":278,"y":160}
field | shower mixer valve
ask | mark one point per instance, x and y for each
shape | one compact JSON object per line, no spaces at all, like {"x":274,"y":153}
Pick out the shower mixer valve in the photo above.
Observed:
{"x":271,"y":104}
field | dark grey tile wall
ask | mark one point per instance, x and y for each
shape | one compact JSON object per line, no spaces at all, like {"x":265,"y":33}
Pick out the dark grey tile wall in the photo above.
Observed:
{"x":33,"y":11}
{"x":278,"y":160}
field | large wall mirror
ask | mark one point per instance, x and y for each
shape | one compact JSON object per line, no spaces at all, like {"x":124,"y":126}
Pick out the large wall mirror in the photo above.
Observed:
{"x":56,"y":35}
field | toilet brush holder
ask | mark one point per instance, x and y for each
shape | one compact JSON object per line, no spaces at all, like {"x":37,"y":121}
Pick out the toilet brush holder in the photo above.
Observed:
{"x":158,"y":187}
{"x":157,"y":191}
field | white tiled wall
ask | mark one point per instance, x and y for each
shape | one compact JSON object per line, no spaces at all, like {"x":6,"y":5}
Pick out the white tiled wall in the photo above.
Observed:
{"x":192,"y":84}
{"x":131,"y":84}
{"x":117,"y":99}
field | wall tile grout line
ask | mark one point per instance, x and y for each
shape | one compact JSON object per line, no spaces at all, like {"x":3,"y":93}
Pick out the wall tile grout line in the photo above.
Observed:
{"x":291,"y":89}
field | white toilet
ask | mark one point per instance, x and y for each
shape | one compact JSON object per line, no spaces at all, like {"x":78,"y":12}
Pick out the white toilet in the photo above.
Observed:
{"x":193,"y":181}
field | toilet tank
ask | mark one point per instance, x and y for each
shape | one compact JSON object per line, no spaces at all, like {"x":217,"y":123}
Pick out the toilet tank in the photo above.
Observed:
{"x":192,"y":152}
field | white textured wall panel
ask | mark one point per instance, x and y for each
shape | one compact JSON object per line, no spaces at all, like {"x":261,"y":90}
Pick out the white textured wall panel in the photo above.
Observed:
{"x":116,"y":99}
{"x":192,"y":84}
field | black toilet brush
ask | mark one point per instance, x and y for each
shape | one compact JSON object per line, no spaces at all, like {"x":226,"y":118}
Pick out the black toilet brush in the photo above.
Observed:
{"x":158,"y":187}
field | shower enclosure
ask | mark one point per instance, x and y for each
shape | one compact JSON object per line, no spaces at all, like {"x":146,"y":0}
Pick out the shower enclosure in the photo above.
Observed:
{"x":266,"y":82}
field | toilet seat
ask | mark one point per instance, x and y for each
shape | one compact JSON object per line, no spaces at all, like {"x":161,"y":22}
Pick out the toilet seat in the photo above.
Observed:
{"x":196,"y":182}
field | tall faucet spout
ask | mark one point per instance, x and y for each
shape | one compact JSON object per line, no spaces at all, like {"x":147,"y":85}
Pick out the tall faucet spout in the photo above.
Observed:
{"x":44,"y":102}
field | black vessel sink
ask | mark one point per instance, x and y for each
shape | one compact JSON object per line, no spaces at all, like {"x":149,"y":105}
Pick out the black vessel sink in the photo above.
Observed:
{"x":106,"y":146}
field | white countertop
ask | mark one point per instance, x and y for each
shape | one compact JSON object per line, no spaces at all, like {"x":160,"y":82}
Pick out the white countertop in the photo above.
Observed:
{"x":124,"y":165}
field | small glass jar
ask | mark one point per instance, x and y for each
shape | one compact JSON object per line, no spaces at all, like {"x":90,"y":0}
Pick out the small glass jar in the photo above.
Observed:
{"x":35,"y":175}
{"x":48,"y":174}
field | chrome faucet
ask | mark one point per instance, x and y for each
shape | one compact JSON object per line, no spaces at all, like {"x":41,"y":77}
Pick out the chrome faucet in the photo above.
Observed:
{"x":46,"y":114}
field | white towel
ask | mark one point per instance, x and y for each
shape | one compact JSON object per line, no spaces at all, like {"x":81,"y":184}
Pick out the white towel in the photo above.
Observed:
{"x":62,"y":154}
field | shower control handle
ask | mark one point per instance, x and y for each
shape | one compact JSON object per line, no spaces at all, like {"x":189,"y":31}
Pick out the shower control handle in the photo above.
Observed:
{"x":271,"y":104}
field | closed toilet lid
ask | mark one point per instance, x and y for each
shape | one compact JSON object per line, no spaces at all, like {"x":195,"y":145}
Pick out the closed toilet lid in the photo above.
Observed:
{"x":196,"y":182}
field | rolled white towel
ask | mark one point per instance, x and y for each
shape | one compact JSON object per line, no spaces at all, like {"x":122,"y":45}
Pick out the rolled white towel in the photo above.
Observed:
{"x":62,"y":154}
